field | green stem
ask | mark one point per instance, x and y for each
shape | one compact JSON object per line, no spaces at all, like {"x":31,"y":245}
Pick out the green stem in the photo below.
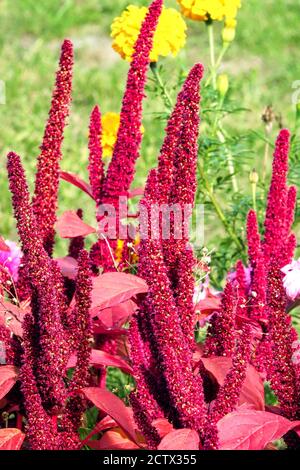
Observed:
{"x":229,"y":158}
{"x":265,"y":161}
{"x":164,"y":92}
{"x":213,"y":71}
{"x":219,"y":211}
{"x":254,"y":195}
{"x":218,"y":62}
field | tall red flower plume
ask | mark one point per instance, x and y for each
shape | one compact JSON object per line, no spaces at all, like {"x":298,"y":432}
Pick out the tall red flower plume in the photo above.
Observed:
{"x":184,"y":389}
{"x":96,"y":166}
{"x":47,"y":176}
{"x":185,"y":114}
{"x":51,"y":357}
{"x":221,"y":332}
{"x":257,"y":263}
{"x":282,"y":374}
{"x":228,"y":395}
{"x":121,"y":168}
{"x":275,"y":221}
{"x":83,"y":327}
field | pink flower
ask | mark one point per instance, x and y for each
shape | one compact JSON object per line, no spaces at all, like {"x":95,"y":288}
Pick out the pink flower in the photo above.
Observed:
{"x":11,"y":259}
{"x":231,"y":277}
{"x":291,"y":280}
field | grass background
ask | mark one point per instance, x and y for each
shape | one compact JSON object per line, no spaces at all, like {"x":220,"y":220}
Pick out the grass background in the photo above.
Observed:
{"x":263,"y":63}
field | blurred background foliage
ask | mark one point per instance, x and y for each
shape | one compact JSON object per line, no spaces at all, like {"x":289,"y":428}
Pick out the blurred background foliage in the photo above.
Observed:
{"x":262,"y":65}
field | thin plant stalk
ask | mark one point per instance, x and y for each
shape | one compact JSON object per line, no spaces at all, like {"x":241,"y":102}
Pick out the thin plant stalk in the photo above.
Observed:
{"x":164,"y":92}
{"x":213,"y":70}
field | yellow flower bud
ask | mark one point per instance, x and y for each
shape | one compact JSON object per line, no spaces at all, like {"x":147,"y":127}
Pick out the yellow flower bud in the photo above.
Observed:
{"x":222,"y":84}
{"x":228,"y":34}
{"x":253,"y":177}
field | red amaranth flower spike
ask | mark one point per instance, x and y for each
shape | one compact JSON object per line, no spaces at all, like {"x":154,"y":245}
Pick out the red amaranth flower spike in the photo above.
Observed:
{"x":184,"y":293}
{"x":186,"y":99}
{"x":82,"y":339}
{"x":257,"y":263}
{"x":140,"y":337}
{"x":282,"y":374}
{"x":241,"y":289}
{"x":83,"y":322}
{"x":52,"y":350}
{"x":77,"y":243}
{"x":220,"y":340}
{"x":143,"y":421}
{"x":121,"y":170}
{"x":47,"y":176}
{"x":290,"y":208}
{"x":42,"y":432}
{"x":8,"y":347}
{"x":275,"y":221}
{"x":176,"y":180}
{"x":184,"y":389}
{"x":228,"y":395}
{"x":96,"y":165}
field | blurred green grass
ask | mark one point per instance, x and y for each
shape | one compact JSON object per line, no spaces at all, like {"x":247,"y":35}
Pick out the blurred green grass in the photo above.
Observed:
{"x":262,"y":65}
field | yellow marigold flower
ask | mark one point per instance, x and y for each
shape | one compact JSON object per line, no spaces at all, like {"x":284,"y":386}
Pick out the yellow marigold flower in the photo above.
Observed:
{"x":119,"y":250}
{"x":203,"y":10}
{"x":169,"y":37}
{"x":110,"y":126}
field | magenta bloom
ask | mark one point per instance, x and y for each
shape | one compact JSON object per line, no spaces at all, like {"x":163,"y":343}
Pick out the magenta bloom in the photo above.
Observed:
{"x":291,"y":280}
{"x":231,"y":277}
{"x":11,"y":259}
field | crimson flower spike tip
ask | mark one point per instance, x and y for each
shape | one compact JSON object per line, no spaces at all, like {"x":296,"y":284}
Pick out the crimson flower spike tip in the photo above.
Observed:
{"x":275,"y":221}
{"x":186,"y":154}
{"x":96,"y":166}
{"x":47,"y":176}
{"x":290,"y":208}
{"x":129,"y":137}
{"x":174,"y":131}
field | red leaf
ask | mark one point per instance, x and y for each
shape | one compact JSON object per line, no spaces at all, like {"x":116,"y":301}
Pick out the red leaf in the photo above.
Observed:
{"x":12,"y":316}
{"x":113,"y":440}
{"x":180,"y":439}
{"x":208,"y":305}
{"x":100,"y":329}
{"x":11,"y":439}
{"x":113,"y":288}
{"x":114,"y":407}
{"x":8,"y":378}
{"x":76,"y":181}
{"x":69,"y":225}
{"x":136,"y":192}
{"x":68,"y":266}
{"x":117,"y":315}
{"x":251,"y":429}
{"x":253,"y":389}
{"x":102,"y":358}
{"x":3,"y":246}
{"x":106,"y":423}
{"x":162,"y":426}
